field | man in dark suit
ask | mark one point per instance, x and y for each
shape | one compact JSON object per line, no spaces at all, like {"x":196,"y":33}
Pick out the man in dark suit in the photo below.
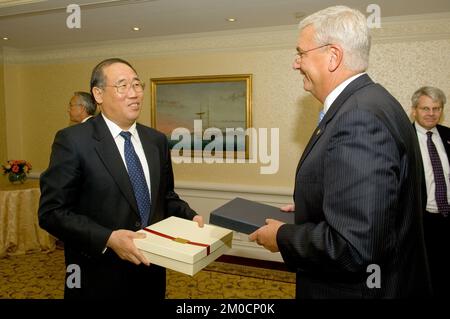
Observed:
{"x":358,"y":228}
{"x":82,"y":107}
{"x":108,"y":178}
{"x":427,"y":106}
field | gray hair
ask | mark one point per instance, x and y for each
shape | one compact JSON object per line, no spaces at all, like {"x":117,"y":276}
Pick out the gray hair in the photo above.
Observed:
{"x":87,"y":101}
{"x":346,"y":27}
{"x":432,"y":92}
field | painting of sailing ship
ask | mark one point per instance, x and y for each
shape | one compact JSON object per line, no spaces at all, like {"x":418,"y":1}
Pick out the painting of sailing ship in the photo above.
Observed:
{"x":219,"y":102}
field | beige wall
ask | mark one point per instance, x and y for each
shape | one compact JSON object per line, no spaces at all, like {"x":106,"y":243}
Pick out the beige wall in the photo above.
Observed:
{"x":2,"y":113}
{"x":38,"y":95}
{"x":406,"y":54}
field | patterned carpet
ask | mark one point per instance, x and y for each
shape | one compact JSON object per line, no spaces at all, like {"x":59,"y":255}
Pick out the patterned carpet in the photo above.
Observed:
{"x":41,"y":276}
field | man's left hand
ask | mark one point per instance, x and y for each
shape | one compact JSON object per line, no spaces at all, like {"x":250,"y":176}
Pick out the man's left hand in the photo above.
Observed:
{"x":199,"y":220}
{"x":267,"y":235}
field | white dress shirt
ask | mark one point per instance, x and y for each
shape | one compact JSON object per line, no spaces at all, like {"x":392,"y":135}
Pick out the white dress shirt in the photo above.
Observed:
{"x":86,"y":118}
{"x":429,"y":176}
{"x":338,"y":90}
{"x":120,"y":142}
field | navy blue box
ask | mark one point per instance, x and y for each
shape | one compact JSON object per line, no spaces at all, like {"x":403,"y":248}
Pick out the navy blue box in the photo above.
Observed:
{"x":246,"y":216}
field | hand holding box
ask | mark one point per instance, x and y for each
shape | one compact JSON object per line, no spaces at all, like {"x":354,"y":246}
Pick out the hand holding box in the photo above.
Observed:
{"x":181,"y":245}
{"x":246,"y":216}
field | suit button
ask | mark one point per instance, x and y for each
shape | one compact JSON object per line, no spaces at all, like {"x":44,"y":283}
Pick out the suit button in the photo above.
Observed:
{"x":138,"y":224}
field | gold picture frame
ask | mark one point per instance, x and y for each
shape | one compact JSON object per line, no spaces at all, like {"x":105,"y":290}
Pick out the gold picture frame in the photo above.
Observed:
{"x":220,"y":103}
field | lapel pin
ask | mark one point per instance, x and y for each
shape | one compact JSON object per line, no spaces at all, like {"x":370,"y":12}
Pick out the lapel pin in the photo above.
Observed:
{"x":318,"y":132}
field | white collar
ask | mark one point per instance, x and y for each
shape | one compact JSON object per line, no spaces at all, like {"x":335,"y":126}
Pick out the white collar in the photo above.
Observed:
{"x":86,"y":118}
{"x":338,"y":90}
{"x":423,"y":130}
{"x":115,"y":129}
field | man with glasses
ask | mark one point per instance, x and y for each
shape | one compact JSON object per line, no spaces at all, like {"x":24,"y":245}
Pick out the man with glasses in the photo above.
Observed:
{"x":358,"y":227}
{"x":82,"y":107}
{"x":107,"y":179}
{"x":434,"y":140}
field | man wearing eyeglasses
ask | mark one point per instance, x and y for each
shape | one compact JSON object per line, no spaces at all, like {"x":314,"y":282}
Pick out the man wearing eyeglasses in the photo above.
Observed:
{"x":434,"y":140}
{"x":358,"y":227}
{"x":108,"y":178}
{"x":82,"y":107}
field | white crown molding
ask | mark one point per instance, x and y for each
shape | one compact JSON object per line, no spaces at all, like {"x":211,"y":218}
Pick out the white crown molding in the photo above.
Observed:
{"x":413,"y":28}
{"x":244,"y":39}
{"x":15,"y":3}
{"x":393,"y":29}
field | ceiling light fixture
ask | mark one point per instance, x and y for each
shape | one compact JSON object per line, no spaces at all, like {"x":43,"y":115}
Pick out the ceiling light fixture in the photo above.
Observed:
{"x":5,"y":38}
{"x":136,"y":29}
{"x":231,"y":19}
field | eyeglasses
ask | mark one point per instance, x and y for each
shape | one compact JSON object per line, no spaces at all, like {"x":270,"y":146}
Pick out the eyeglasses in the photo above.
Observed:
{"x":432,"y":109}
{"x":137,"y":86}
{"x":300,"y":53}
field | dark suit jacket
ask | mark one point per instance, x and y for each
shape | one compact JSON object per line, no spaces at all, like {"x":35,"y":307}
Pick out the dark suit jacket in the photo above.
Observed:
{"x":437,"y":234}
{"x":356,"y":202}
{"x":86,"y":194}
{"x":444,"y":133}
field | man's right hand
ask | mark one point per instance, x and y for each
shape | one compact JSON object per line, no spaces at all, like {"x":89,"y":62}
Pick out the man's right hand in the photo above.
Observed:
{"x":288,"y":208}
{"x":121,"y":241}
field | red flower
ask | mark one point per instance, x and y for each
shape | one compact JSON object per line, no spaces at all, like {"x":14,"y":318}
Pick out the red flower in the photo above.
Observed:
{"x":16,"y":167}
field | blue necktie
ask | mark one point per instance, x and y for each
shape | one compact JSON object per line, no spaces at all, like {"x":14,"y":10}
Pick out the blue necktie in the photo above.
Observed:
{"x":321,"y":115}
{"x":137,"y":179}
{"x":439,"y":178}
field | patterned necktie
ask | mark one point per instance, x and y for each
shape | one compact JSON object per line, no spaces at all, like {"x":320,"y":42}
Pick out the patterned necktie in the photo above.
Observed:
{"x":439,"y":178}
{"x":137,"y":179}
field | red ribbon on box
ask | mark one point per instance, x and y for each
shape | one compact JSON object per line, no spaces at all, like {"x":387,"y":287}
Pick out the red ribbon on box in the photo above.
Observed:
{"x":179,"y":240}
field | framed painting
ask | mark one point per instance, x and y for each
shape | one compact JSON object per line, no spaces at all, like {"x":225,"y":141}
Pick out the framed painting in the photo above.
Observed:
{"x":204,"y":116}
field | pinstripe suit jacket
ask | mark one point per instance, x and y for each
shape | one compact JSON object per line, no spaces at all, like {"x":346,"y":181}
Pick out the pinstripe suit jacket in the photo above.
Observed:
{"x":357,"y":202}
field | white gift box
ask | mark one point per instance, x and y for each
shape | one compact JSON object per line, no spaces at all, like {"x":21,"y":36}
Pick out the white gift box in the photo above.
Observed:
{"x":181,"y":245}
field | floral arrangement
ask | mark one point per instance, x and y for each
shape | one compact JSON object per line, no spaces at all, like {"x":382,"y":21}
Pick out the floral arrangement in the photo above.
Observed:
{"x":17,"y":170}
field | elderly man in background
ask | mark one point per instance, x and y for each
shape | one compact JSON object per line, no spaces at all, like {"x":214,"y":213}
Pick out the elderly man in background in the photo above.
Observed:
{"x":82,"y":107}
{"x":434,"y":140}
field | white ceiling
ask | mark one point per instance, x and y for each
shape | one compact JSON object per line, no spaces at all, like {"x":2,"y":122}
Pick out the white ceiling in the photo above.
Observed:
{"x":40,"y":23}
